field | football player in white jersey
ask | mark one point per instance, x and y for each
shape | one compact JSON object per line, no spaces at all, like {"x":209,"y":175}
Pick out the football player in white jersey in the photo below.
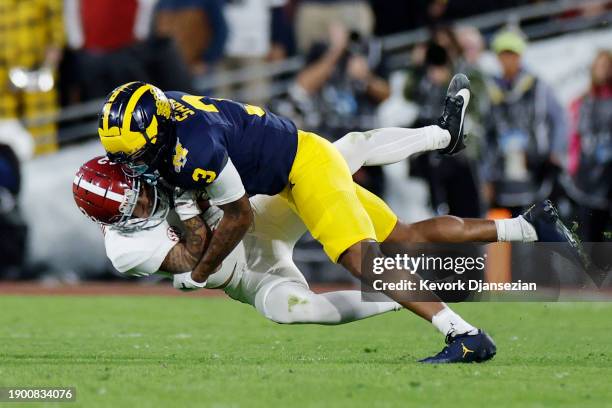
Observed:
{"x":260,"y":271}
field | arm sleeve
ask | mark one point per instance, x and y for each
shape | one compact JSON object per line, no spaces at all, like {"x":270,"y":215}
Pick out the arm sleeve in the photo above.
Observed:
{"x":227,"y":187}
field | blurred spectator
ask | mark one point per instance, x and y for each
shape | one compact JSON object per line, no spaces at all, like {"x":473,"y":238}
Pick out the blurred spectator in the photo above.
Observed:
{"x":283,"y":32}
{"x":257,"y":34}
{"x":31,"y":40}
{"x":526,"y":132}
{"x":591,"y":152}
{"x":398,"y":16}
{"x":13,"y":229}
{"x":452,"y":181}
{"x":454,"y":9}
{"x":199,"y":29}
{"x":592,"y":9}
{"x":111,"y":44}
{"x":314,"y":17}
{"x":101,"y":34}
{"x":339,"y":90}
{"x":446,"y":38}
{"x":472,"y":46}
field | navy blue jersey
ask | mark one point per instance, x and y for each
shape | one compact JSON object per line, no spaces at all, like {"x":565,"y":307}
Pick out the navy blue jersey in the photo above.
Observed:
{"x":261,"y":145}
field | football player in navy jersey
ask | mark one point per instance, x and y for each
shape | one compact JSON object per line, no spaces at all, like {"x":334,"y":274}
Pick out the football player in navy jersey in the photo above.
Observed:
{"x":232,"y":150}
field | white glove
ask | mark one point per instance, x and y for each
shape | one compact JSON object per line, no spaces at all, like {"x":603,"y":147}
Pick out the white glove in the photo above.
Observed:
{"x":183,"y":281}
{"x":186,"y":205}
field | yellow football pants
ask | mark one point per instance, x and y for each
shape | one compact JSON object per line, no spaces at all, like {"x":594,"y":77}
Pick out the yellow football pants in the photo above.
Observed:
{"x":337,"y":212}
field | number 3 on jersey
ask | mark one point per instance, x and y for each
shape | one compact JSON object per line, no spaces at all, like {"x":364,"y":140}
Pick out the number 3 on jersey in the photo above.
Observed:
{"x":206,"y":175}
{"x":196,"y":102}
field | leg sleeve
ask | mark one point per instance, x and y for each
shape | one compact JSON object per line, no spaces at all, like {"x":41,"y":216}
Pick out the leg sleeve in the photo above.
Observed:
{"x":389,"y":145}
{"x":293,"y":303}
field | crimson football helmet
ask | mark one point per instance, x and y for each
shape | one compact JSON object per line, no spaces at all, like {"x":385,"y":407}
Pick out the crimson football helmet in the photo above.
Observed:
{"x":105,"y":194}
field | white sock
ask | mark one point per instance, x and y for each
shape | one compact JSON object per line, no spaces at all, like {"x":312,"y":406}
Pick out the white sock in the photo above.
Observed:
{"x":438,"y":137}
{"x":515,"y":229}
{"x":389,"y":145}
{"x":447,"y":321}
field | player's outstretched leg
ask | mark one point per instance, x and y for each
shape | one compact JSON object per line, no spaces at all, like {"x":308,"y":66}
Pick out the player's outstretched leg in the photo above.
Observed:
{"x":452,"y":119}
{"x":290,"y":302}
{"x":429,"y":307}
{"x":390,"y":145}
{"x":541,"y":222}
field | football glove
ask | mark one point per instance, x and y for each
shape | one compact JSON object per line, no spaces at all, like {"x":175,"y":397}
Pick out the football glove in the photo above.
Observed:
{"x":183,"y":281}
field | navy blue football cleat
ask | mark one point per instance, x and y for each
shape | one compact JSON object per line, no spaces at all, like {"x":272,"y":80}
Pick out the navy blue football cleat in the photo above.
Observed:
{"x":455,"y":105}
{"x":465,"y":348}
{"x":544,"y":217}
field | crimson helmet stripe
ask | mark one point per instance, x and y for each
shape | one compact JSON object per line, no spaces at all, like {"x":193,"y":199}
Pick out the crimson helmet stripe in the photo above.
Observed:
{"x":92,"y":188}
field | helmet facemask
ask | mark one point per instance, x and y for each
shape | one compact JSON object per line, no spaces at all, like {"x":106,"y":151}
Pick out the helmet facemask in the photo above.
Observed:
{"x":146,"y":162}
{"x":159,"y":206}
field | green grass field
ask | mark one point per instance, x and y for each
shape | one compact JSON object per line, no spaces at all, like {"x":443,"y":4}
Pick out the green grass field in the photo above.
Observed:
{"x":180,"y":352}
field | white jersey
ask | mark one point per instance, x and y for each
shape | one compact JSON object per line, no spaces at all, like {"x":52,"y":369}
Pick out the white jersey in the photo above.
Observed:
{"x":262,"y":258}
{"x":140,"y":253}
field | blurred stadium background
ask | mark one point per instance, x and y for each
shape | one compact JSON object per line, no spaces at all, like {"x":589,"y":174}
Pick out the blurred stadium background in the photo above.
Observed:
{"x":540,"y":121}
